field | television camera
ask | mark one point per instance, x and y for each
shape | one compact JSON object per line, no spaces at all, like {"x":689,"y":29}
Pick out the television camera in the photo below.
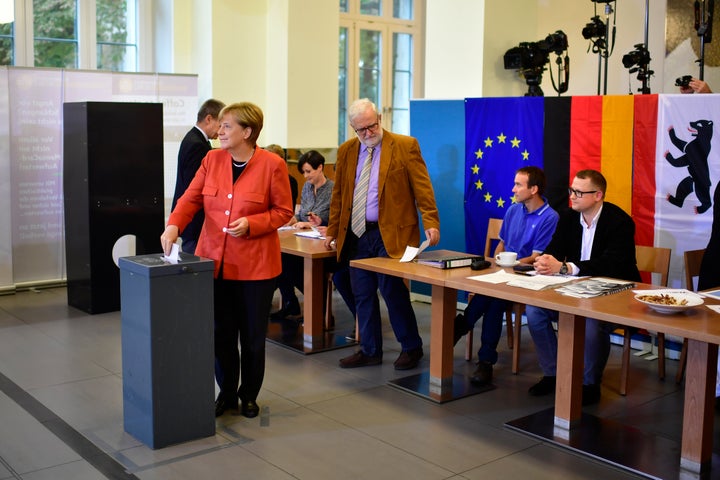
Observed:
{"x":638,"y":61}
{"x":530,"y":58}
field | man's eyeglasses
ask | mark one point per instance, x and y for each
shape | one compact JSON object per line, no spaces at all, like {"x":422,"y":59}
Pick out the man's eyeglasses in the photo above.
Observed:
{"x":578,"y":193}
{"x":369,"y":128}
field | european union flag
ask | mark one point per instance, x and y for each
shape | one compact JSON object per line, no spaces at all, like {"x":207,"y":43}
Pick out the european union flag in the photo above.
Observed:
{"x":501,"y":136}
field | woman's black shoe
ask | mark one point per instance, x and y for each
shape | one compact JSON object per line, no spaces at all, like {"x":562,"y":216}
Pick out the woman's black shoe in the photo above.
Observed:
{"x":249,"y":409}
{"x":222,"y":405}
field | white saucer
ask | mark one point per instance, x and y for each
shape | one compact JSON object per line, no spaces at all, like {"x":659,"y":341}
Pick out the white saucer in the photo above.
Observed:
{"x":506,"y":265}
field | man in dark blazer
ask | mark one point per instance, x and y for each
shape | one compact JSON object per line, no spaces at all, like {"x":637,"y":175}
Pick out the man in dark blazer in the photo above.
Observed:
{"x":397,"y":186}
{"x":193,"y":149}
{"x":594,"y":238}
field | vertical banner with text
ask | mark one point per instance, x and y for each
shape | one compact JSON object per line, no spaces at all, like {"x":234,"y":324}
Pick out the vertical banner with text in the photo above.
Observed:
{"x":36,"y":205}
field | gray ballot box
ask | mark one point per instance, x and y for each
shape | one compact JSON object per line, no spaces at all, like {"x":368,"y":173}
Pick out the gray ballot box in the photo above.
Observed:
{"x":167,"y":348}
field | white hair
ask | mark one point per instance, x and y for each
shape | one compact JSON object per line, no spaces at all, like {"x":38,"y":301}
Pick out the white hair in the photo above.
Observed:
{"x":360,"y":106}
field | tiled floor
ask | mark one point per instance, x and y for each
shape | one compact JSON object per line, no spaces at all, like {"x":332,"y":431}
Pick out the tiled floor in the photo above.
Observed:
{"x":61,"y":412}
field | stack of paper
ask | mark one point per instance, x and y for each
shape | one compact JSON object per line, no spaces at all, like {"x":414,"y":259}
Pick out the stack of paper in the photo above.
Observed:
{"x":595,"y":287}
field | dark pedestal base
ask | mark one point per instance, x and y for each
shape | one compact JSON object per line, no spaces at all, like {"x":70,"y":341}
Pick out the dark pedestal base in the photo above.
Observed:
{"x":419,"y":385}
{"x":610,"y":441}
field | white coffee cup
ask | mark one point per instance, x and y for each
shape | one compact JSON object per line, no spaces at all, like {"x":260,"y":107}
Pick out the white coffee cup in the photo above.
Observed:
{"x":506,"y":258}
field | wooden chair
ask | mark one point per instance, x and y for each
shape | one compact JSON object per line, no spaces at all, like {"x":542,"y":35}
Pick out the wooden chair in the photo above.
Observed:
{"x":693,"y":259}
{"x":651,"y":260}
{"x":513,"y":332}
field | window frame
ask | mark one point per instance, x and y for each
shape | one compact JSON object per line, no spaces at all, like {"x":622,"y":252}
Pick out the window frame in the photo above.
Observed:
{"x":24,"y":54}
{"x":353,"y":21}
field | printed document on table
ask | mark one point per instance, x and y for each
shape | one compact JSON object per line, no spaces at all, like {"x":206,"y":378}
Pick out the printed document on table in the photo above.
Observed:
{"x":501,"y":276}
{"x":538,"y":282}
{"x":310,"y":234}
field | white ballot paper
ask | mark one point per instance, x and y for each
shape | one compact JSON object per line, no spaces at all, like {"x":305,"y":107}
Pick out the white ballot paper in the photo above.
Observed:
{"x":412,"y":252}
{"x":174,"y":256}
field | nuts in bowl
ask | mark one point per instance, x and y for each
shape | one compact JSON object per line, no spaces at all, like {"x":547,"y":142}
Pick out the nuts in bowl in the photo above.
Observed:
{"x":664,"y":301}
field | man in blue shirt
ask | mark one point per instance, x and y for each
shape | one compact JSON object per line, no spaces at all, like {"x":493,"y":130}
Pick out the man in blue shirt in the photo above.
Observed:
{"x":527,"y":229}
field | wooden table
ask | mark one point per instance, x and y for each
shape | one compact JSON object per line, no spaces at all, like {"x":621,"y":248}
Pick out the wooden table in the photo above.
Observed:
{"x":567,"y":425}
{"x":441,"y":384}
{"x":310,"y":337}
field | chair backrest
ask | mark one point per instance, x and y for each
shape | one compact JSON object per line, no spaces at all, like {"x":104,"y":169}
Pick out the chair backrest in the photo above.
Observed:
{"x":654,"y":260}
{"x":493,"y":233}
{"x":693,"y":259}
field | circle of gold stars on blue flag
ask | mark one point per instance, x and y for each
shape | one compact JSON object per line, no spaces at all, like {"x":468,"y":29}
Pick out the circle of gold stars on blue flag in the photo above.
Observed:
{"x":494,"y":155}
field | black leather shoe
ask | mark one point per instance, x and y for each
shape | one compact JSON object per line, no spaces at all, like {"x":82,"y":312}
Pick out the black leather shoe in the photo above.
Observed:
{"x":409,"y":359}
{"x":590,"y":395}
{"x":545,"y":386}
{"x":249,"y":409}
{"x":359,"y":359}
{"x":483,"y":375}
{"x":222,"y":405}
{"x":461,"y":328}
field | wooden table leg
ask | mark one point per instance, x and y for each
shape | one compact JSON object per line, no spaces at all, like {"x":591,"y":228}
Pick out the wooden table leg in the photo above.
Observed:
{"x":442,"y":316}
{"x":698,"y":410}
{"x":568,"y":391}
{"x":313,"y":298}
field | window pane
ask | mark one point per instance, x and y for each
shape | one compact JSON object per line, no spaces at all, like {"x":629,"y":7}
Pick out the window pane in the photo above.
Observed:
{"x":116,"y":35}
{"x":6,"y":44}
{"x":118,"y":58}
{"x":342,"y":84}
{"x":55,"y":33}
{"x":403,"y":9}
{"x":343,"y":6}
{"x":402,"y":81}
{"x":369,"y":65}
{"x":370,"y":7}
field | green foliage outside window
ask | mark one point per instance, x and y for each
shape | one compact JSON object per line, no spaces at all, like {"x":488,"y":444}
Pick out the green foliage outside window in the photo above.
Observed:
{"x":6,"y":44}
{"x":116,"y":45}
{"x":55,"y":32}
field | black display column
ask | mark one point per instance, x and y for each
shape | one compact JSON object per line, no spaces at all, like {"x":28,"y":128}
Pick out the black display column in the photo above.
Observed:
{"x":113,"y":187}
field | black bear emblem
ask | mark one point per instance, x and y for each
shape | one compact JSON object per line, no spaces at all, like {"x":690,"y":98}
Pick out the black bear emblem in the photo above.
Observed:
{"x":695,"y":158}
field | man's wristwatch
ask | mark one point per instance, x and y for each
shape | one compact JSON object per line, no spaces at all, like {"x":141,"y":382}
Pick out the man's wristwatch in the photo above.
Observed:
{"x":564,"y":269}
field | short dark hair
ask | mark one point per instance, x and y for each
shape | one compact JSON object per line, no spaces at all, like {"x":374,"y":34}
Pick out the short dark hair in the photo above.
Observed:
{"x":536,"y":178}
{"x":596,"y":178}
{"x":312,"y":158}
{"x":211,"y":107}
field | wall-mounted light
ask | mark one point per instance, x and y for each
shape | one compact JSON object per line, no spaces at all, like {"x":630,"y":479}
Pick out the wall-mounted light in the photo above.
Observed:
{"x":7,"y":11}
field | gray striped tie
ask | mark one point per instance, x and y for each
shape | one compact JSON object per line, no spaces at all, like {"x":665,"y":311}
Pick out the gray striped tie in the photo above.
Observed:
{"x":357,"y":224}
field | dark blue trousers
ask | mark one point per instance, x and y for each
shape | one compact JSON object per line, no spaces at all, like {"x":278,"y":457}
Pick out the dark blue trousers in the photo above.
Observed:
{"x":395,"y":293}
{"x":491,"y":309}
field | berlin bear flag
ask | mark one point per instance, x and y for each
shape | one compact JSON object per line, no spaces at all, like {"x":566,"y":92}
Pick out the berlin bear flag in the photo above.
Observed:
{"x":674,"y":181}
